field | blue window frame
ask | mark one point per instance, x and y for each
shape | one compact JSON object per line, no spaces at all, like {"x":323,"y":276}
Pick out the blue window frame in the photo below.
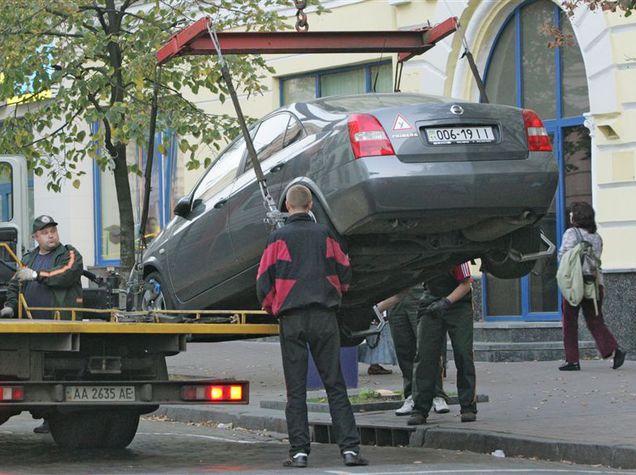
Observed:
{"x":104,"y":197}
{"x":382,"y":70}
{"x":558,"y":127}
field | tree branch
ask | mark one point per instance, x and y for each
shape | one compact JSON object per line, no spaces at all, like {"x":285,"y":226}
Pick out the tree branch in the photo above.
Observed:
{"x":56,"y":131}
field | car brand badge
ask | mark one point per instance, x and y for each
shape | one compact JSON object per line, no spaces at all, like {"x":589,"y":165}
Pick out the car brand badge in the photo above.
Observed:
{"x":401,"y":123}
{"x":457,"y":110}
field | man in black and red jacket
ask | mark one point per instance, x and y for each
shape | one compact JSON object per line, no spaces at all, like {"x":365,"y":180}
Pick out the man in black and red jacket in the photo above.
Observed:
{"x":301,"y":278}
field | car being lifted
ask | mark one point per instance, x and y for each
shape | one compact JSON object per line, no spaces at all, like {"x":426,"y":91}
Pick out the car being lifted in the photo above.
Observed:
{"x":411,"y":183}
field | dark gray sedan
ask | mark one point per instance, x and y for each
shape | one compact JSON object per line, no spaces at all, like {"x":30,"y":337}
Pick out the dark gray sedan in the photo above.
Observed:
{"x":412,"y":183}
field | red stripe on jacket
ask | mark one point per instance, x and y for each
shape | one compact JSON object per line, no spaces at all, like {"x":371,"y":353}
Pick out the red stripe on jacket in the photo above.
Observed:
{"x":276,"y":251}
{"x":334,"y":250}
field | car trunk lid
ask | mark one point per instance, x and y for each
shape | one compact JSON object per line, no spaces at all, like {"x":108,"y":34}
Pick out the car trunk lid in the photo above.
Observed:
{"x":451,"y":132}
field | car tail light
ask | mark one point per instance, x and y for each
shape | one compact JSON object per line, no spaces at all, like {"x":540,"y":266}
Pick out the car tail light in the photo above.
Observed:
{"x":11,"y":393}
{"x":368,"y":138}
{"x":224,"y":392}
{"x":538,"y":138}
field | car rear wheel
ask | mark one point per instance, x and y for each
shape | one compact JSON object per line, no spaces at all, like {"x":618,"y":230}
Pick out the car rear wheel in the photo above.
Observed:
{"x":500,"y":263}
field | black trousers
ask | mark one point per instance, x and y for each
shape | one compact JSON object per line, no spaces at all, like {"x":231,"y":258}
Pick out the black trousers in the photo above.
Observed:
{"x":317,"y":329}
{"x":403,"y":324}
{"x":457,"y":321}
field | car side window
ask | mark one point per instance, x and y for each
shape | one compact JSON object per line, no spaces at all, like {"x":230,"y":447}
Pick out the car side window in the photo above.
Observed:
{"x":270,"y":137}
{"x":222,"y":172}
{"x":295,"y":131}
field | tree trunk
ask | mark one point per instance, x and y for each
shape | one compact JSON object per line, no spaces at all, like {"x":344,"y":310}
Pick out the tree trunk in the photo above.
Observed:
{"x":124,"y":203}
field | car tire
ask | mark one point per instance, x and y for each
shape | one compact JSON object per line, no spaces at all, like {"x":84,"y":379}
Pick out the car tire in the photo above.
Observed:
{"x":500,"y":264}
{"x":162,"y":301}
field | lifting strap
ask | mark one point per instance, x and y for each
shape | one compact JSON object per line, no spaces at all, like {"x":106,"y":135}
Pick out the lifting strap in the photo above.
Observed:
{"x":273,"y":215}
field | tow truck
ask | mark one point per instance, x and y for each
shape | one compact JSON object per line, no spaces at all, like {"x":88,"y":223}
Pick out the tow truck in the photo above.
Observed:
{"x":93,"y":376}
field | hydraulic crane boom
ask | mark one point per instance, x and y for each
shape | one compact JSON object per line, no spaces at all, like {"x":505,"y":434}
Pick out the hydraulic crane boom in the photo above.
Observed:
{"x":195,"y":40}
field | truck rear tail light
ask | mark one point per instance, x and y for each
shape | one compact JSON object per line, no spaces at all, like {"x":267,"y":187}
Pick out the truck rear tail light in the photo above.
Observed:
{"x":538,"y":138}
{"x":368,"y":138}
{"x":11,"y":393}
{"x":229,"y":392}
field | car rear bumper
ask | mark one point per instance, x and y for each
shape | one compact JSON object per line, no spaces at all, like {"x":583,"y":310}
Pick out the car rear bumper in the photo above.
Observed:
{"x":382,"y":194}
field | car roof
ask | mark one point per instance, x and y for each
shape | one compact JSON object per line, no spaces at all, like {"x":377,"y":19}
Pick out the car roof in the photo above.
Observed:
{"x":371,"y":102}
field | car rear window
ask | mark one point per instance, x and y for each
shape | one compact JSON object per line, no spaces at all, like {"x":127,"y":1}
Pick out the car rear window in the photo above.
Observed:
{"x":369,"y":102}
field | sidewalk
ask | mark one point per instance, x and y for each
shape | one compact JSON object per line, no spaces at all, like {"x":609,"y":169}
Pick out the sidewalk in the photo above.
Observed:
{"x":586,"y":417}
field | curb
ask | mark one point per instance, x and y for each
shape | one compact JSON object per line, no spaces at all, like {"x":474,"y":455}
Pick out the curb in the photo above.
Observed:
{"x":362,"y":407}
{"x":558,"y":450}
{"x":479,"y":441}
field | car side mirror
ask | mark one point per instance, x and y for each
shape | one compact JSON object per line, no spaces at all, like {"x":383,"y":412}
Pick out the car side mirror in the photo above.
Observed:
{"x":183,"y":206}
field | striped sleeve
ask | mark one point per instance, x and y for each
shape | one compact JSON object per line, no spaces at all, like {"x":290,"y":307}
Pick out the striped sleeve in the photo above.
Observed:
{"x":66,"y":273}
{"x":461,"y":272}
{"x":271,"y":291}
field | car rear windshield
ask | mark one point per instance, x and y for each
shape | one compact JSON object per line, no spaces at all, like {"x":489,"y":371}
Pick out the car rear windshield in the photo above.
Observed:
{"x":369,"y":102}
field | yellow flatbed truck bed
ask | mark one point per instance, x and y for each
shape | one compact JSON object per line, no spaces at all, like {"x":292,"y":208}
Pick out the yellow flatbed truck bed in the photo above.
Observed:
{"x":92,"y":379}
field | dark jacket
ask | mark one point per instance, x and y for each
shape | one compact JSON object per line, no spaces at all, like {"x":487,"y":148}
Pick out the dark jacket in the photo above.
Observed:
{"x":303,"y":265}
{"x":63,"y":278}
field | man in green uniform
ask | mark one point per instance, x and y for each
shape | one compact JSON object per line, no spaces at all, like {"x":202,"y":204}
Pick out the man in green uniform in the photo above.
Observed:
{"x":450,"y":312}
{"x":404,"y":321}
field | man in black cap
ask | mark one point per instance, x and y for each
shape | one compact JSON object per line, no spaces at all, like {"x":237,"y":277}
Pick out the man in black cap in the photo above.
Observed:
{"x":50,"y":277}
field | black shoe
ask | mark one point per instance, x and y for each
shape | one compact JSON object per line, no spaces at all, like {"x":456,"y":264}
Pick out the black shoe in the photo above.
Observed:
{"x":42,"y":428}
{"x":352,"y":459}
{"x":570,"y":367}
{"x":619,"y":358}
{"x":469,"y":416}
{"x":296,"y":461}
{"x":416,"y":419}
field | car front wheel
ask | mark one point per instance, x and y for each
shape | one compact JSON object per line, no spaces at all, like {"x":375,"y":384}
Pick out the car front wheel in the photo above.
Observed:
{"x":155,"y":296}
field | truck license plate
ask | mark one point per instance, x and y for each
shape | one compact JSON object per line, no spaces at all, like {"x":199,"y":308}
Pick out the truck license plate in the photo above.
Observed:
{"x":100,"y":393}
{"x":460,"y":135}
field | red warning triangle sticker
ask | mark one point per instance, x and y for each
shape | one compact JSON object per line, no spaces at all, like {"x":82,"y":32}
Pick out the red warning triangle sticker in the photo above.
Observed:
{"x":401,"y":123}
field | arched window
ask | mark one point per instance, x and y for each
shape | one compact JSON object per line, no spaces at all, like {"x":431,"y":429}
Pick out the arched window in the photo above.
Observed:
{"x":522,"y":71}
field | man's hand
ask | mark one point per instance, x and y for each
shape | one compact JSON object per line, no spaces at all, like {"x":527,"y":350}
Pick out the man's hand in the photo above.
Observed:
{"x":438,"y":307}
{"x":6,"y":312}
{"x":26,"y":274}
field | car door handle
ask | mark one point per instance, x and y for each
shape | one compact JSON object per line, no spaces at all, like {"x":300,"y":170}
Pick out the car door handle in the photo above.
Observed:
{"x":220,"y":203}
{"x":276,"y":168}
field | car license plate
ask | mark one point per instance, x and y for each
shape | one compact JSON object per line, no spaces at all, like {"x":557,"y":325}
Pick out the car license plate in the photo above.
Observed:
{"x":100,"y":393}
{"x":459,"y":135}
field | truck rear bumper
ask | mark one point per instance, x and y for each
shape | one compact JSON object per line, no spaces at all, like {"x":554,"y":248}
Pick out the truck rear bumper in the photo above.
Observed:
{"x":75,"y":395}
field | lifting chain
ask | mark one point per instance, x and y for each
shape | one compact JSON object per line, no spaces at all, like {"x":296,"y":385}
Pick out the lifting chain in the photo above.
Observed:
{"x":301,"y":16}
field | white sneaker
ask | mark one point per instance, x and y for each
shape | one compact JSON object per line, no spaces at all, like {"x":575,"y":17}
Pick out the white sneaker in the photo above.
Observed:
{"x":406,"y":408}
{"x":440,"y":406}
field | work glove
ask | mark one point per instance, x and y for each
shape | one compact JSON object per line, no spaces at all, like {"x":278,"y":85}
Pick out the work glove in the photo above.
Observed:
{"x":6,"y":312}
{"x":26,"y":274}
{"x":438,"y":307}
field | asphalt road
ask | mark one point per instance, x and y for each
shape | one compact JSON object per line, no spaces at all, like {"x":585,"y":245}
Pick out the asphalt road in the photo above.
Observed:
{"x":169,"y":447}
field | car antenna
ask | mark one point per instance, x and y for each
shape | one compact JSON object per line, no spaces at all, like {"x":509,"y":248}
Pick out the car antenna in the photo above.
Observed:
{"x":273,"y":215}
{"x":483,"y":97}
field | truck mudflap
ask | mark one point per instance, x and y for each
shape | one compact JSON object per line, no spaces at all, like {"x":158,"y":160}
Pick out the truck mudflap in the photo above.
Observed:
{"x":77,"y":394}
